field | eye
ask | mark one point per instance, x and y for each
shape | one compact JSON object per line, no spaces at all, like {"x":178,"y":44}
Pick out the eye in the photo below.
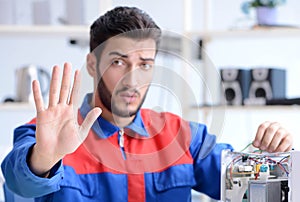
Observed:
{"x":118,"y":63}
{"x":146,"y":66}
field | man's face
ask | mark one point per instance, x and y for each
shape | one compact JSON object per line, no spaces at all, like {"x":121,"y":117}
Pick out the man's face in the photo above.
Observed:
{"x":126,"y":69}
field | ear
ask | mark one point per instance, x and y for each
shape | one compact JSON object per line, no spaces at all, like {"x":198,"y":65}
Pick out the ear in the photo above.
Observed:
{"x":91,"y":66}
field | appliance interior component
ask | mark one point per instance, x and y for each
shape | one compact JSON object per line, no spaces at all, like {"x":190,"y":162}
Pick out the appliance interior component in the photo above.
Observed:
{"x":265,"y":177}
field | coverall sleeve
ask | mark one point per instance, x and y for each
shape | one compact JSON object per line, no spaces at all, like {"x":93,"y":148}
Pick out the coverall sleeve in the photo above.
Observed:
{"x":207,"y":160}
{"x":18,"y":176}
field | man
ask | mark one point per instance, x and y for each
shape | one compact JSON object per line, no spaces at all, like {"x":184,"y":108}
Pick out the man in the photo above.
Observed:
{"x":129,"y":154}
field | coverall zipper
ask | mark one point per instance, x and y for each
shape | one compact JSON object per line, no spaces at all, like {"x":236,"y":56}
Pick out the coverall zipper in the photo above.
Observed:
{"x":121,"y":142}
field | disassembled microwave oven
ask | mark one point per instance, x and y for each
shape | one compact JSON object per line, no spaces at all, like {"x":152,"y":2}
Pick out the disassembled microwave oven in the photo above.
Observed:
{"x":260,"y":177}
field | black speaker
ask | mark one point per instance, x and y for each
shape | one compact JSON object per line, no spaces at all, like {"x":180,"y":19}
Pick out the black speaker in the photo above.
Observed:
{"x":267,"y":83}
{"x":236,"y":84}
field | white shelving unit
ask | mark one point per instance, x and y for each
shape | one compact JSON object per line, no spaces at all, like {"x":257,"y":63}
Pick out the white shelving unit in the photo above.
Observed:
{"x":258,"y":33}
{"x":208,"y":35}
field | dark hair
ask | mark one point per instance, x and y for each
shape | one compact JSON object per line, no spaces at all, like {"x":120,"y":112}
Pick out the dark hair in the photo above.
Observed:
{"x":131,"y":21}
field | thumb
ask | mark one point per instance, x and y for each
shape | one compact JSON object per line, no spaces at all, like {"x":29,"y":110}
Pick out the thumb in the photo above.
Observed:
{"x":89,"y":121}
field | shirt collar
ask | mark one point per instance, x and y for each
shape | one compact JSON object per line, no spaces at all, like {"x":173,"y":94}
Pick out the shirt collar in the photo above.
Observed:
{"x":105,"y":129}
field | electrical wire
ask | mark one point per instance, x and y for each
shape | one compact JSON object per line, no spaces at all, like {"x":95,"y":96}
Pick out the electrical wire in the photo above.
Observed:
{"x":248,"y":145}
{"x":255,"y":151}
{"x":284,"y":159}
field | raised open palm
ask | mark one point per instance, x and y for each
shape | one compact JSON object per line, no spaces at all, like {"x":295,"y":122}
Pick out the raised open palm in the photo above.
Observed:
{"x":57,"y":130}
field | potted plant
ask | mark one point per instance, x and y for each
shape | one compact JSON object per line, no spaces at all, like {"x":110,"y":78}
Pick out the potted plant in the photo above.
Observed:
{"x":266,"y":10}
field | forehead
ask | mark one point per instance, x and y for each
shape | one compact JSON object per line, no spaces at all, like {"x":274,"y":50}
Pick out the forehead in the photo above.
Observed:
{"x":127,"y":46}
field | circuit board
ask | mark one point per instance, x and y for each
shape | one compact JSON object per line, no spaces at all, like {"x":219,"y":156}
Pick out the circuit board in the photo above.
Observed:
{"x":258,"y":176}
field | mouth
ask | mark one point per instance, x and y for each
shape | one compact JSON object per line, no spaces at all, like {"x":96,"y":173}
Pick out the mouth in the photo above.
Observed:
{"x":129,"y":96}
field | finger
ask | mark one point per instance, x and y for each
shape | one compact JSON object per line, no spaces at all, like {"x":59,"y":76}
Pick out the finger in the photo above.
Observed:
{"x":74,"y":98}
{"x":89,"y":121}
{"x":286,"y":144}
{"x":260,"y":133}
{"x":65,"y":84}
{"x":277,"y":139}
{"x":54,"y":87}
{"x":37,"y":95}
{"x":269,"y":135}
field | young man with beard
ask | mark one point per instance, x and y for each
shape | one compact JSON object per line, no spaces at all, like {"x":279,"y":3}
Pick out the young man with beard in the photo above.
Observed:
{"x":126,"y":153}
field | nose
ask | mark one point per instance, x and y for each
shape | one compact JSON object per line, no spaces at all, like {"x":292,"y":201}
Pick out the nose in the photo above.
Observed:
{"x":131,"y":78}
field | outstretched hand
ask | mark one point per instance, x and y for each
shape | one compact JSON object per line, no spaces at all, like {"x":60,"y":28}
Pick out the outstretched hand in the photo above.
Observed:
{"x":57,"y":130}
{"x":272,"y":137}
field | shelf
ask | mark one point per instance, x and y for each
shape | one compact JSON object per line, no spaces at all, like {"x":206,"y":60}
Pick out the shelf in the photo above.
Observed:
{"x":45,"y":30}
{"x":256,"y":32}
{"x":16,"y":106}
{"x":249,"y":107}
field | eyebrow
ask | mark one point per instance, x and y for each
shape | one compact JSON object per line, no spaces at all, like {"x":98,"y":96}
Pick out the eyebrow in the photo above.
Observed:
{"x":126,"y":56}
{"x":118,"y":54}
